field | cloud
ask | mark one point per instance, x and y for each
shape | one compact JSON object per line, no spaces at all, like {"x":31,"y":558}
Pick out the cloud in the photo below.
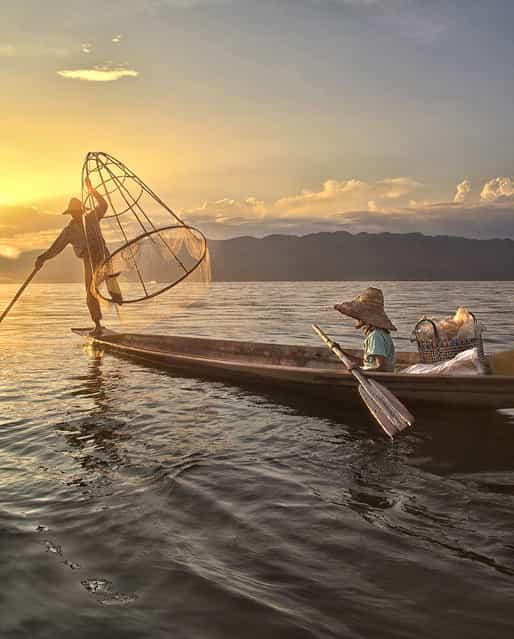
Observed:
{"x":23,"y":227}
{"x":227,"y":210}
{"x":482,"y":221}
{"x":98,"y":74}
{"x":335,"y":197}
{"x":328,"y":207}
{"x":497,"y":189}
{"x":117,"y":38}
{"x":20,"y":220}
{"x":353,"y":205}
{"x":361,"y":206}
{"x":341,"y":195}
{"x":463,"y":190}
{"x":23,"y":219}
{"x":86,"y":47}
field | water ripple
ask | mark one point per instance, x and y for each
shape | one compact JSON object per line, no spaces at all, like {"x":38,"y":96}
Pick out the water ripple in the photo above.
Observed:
{"x":136,"y":503}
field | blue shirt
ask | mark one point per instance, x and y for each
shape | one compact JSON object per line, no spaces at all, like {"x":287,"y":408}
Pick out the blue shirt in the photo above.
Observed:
{"x":378,"y":342}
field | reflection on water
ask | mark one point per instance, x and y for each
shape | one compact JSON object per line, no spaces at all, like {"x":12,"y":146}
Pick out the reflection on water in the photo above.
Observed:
{"x":202,"y":509}
{"x":94,"y":438}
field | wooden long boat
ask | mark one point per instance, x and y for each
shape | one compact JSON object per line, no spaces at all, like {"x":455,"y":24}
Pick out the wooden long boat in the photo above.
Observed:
{"x":305,"y":369}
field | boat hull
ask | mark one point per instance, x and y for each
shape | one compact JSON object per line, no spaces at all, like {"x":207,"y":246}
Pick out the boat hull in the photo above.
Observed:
{"x":302,"y":368}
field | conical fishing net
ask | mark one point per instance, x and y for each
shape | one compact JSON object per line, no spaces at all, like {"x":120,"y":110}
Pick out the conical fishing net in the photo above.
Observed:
{"x":140,"y":249}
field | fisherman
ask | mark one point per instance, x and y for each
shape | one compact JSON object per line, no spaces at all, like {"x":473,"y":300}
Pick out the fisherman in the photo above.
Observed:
{"x":368,"y":311}
{"x":85,"y":235}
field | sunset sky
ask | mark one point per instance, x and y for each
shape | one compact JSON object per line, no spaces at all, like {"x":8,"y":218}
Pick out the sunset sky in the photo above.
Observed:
{"x":257,"y":116}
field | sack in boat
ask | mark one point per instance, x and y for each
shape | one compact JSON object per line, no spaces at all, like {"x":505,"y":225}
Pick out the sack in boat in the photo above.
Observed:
{"x":465,"y":363}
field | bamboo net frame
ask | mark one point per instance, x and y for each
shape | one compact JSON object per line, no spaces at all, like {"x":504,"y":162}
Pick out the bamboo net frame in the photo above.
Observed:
{"x":135,"y":233}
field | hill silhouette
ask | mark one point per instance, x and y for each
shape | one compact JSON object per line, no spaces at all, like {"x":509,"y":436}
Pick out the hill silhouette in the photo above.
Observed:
{"x":335,"y":256}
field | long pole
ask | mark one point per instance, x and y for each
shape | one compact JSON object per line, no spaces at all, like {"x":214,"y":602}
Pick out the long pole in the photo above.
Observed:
{"x":20,"y":291}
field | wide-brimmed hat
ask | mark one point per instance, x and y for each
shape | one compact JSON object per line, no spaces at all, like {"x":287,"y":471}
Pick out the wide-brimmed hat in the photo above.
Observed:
{"x":74,"y":205}
{"x":368,"y":307}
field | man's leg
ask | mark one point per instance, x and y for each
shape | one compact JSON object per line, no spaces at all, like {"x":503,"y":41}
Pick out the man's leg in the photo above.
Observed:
{"x":92,"y":302}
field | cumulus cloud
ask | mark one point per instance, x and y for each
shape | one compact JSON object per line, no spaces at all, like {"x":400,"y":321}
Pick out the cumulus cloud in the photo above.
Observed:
{"x":341,"y":195}
{"x":117,"y":38}
{"x":358,"y":205}
{"x":497,"y":189}
{"x":353,"y":205}
{"x":98,"y":74}
{"x":476,"y":221}
{"x":229,"y":211}
{"x":463,"y":190}
{"x":481,"y":221}
{"x":86,"y":47}
{"x":334,"y":197}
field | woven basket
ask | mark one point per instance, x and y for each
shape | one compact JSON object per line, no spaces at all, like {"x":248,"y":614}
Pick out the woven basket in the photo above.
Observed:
{"x":434,"y":348}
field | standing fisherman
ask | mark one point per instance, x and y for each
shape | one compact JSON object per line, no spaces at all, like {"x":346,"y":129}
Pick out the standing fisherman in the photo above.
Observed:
{"x":85,"y":235}
{"x":368,"y":311}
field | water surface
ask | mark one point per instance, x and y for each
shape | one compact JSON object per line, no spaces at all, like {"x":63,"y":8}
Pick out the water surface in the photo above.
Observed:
{"x":137,"y":503}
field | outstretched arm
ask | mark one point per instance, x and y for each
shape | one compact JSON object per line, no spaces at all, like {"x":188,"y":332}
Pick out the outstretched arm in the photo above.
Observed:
{"x":59,"y":244}
{"x":102,"y":206}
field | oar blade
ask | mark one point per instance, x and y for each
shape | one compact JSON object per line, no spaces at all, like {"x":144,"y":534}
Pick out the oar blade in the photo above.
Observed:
{"x":386,"y":421}
{"x":391,"y":402}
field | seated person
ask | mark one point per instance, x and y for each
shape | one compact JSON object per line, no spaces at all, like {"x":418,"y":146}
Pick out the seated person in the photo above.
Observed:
{"x":368,"y":311}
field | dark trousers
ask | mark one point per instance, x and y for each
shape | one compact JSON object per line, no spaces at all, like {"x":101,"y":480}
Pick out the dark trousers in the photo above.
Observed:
{"x":92,"y":301}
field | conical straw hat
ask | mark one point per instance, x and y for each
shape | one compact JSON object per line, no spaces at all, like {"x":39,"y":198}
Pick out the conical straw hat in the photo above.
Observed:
{"x":74,"y":205}
{"x":368,"y":307}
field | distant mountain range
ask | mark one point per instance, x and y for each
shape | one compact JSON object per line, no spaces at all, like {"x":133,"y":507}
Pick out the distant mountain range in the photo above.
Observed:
{"x":335,"y":256}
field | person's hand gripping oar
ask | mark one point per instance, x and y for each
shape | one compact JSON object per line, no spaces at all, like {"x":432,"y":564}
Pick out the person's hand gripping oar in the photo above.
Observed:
{"x":36,"y":268}
{"x":387,"y":409}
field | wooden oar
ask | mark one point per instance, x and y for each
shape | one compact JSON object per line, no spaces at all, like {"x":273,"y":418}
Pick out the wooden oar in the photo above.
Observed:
{"x":20,"y":291}
{"x":387,"y":409}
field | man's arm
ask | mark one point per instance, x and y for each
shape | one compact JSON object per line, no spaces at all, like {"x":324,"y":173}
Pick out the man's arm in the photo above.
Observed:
{"x":102,"y":206}
{"x":355,"y":362}
{"x":59,"y":245}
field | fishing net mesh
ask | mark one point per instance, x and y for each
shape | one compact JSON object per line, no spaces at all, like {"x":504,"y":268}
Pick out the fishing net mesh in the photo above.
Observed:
{"x":139,"y":249}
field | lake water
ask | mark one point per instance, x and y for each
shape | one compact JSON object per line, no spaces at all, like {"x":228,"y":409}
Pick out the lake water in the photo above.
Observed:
{"x":136,"y":503}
